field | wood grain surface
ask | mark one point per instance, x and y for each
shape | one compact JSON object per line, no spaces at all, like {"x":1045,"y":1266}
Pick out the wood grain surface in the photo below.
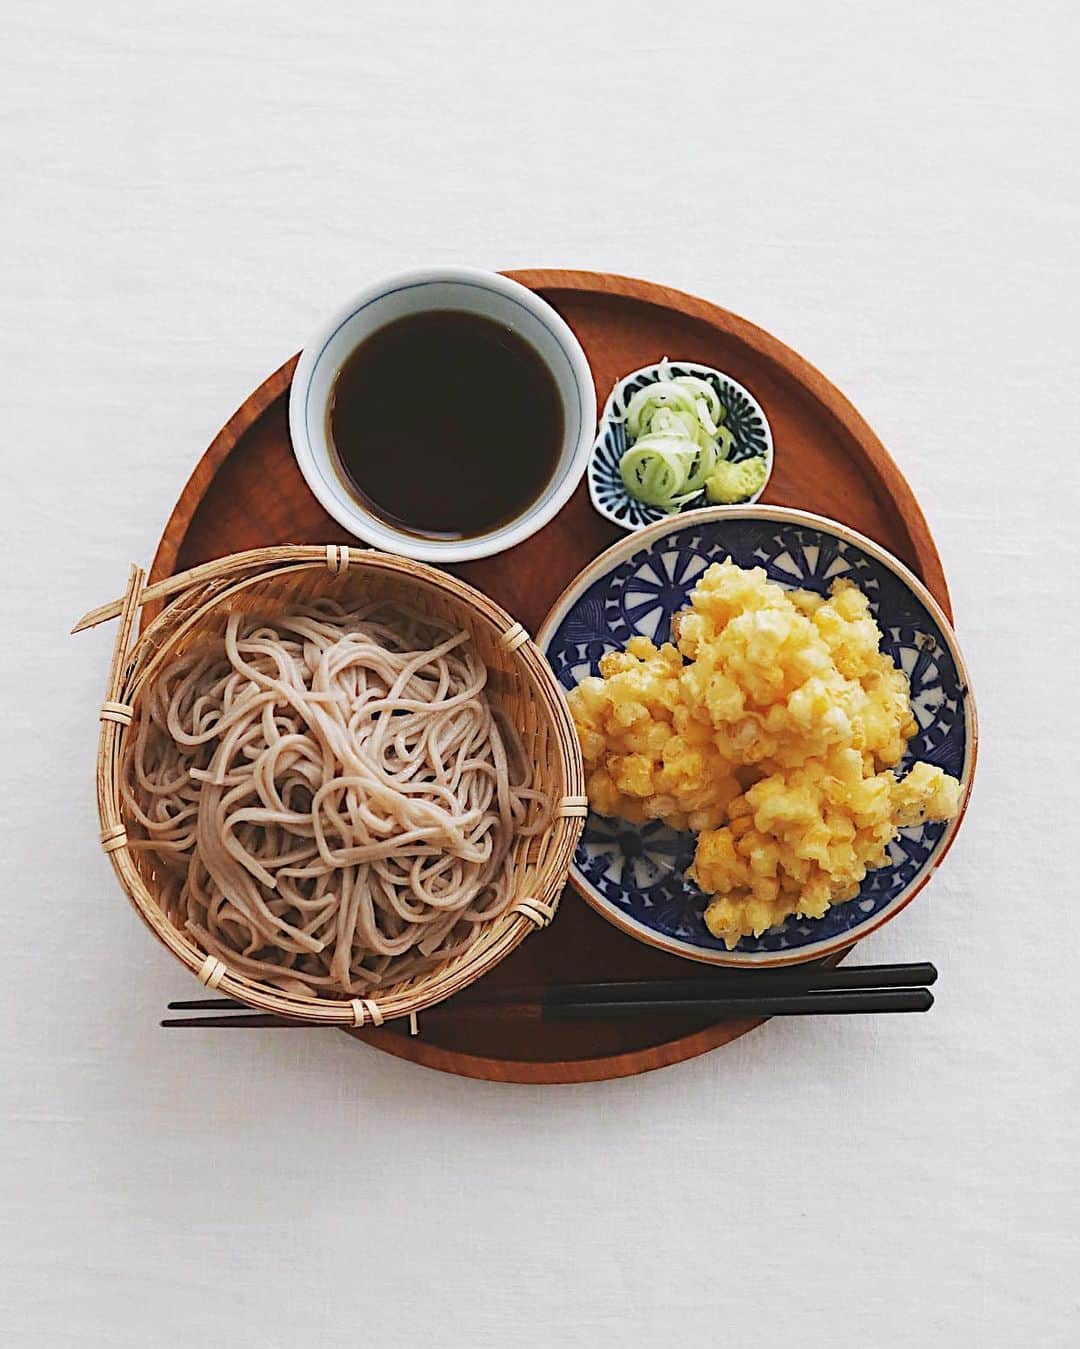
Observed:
{"x":247,"y":492}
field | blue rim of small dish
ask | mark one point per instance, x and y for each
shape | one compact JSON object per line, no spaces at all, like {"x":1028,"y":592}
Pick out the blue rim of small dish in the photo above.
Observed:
{"x":635,"y":586}
{"x":745,"y":419}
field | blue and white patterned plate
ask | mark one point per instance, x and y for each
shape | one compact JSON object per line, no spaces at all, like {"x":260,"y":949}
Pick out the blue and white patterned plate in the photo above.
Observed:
{"x":635,"y":875}
{"x":745,"y":420}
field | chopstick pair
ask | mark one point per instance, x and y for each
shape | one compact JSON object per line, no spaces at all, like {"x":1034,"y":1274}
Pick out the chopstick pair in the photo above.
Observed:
{"x":732,"y":995}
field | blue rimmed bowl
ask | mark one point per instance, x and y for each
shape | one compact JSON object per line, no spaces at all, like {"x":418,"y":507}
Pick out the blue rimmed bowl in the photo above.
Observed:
{"x":635,"y":875}
{"x":745,"y":420}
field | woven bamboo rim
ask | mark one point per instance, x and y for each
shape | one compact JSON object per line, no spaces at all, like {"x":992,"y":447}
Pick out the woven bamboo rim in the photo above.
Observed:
{"x":520,"y":680}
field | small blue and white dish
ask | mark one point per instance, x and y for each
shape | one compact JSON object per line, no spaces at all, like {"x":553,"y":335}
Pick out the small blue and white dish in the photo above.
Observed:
{"x":745,"y":419}
{"x":635,"y":875}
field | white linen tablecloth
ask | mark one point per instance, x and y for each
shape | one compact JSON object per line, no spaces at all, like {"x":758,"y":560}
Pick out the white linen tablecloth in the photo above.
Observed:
{"x":891,"y":189}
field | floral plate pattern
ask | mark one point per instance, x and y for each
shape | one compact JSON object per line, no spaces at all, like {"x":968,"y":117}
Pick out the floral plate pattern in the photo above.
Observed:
{"x":745,"y":420}
{"x":636,"y":874}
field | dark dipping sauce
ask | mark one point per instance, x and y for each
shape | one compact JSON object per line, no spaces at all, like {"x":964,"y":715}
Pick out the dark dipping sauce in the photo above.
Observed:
{"x":446,"y":424}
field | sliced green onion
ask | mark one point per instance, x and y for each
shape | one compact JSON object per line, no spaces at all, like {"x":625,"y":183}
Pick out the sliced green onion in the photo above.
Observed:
{"x":703,"y":465}
{"x":655,"y":469}
{"x":676,"y":438}
{"x":704,"y":390}
{"x":676,"y":422}
{"x":640,"y":409}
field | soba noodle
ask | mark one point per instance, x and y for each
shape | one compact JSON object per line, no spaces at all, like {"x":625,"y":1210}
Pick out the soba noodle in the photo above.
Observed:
{"x":328,"y":798}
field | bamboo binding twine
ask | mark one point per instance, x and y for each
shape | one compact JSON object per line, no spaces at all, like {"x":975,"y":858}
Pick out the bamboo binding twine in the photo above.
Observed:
{"x":520,"y":681}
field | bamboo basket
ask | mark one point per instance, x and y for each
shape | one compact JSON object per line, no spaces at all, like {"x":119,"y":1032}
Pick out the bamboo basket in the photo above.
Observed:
{"x":520,"y":683}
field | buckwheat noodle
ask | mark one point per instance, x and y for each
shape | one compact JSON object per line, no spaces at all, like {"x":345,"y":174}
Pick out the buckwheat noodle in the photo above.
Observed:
{"x":328,"y":798}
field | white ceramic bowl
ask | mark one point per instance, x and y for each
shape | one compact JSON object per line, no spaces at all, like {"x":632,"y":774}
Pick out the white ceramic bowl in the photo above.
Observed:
{"x":476,"y":292}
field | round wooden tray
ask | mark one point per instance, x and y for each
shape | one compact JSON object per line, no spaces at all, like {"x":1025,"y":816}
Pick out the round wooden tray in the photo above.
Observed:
{"x":246,"y":492}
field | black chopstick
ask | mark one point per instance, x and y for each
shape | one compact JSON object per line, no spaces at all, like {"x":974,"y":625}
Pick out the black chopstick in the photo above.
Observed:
{"x":208,"y":1004}
{"x":269,"y":1020}
{"x":721,"y":985}
{"x":830,"y":1002}
{"x":843,"y":1002}
{"x":251,"y":1021}
{"x":727,"y":984}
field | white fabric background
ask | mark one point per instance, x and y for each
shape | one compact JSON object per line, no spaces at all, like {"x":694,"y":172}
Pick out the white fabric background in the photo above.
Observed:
{"x":892,"y":189}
